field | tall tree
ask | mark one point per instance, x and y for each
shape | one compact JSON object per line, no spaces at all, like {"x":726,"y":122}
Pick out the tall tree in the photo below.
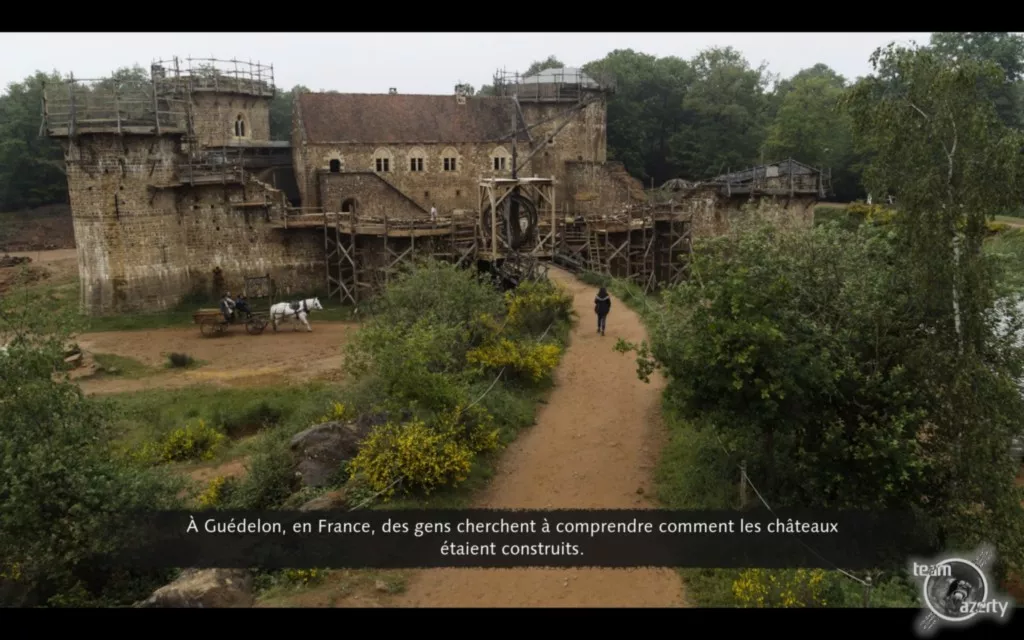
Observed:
{"x":1004,"y":49}
{"x":551,"y":62}
{"x":281,"y":112}
{"x":727,"y":107}
{"x":31,"y":167}
{"x":810,"y":125}
{"x":943,"y":151}
{"x":645,"y":111}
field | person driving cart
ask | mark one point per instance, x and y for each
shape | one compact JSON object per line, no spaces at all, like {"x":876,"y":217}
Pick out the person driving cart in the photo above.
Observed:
{"x":227,"y":307}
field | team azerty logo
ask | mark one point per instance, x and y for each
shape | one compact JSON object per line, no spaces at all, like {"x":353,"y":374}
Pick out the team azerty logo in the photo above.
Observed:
{"x":956,"y":591}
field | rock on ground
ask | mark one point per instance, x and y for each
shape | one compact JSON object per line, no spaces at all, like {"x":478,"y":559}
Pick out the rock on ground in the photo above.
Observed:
{"x":330,"y":500}
{"x":204,"y":589}
{"x":321,"y":450}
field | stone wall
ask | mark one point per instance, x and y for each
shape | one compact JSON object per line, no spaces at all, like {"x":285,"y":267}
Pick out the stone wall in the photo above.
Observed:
{"x":447,"y":190}
{"x":223,"y":232}
{"x":215,"y":116}
{"x":583,"y":139}
{"x":144,"y":243}
{"x":368,"y":195}
{"x":127,"y":235}
{"x":600,"y":187}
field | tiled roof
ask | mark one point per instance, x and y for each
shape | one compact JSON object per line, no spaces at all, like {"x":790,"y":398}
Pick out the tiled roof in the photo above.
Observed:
{"x":409,"y":119}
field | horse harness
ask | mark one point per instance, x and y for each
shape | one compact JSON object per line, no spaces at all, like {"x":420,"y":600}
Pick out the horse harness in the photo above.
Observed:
{"x":299,"y":307}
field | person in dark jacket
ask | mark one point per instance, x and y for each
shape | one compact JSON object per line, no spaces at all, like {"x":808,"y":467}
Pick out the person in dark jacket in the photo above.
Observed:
{"x":242,"y":305}
{"x":602,"y":305}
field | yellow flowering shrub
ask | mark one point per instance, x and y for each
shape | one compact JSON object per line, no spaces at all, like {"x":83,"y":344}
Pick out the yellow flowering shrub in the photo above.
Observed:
{"x":531,"y":360}
{"x":303,"y":577}
{"x":196,"y":441}
{"x":532,"y":306}
{"x":338,"y":412}
{"x":213,"y":494}
{"x":10,"y":571}
{"x":472,"y":426}
{"x":789,"y":588}
{"x":871,"y":213}
{"x":424,"y":456}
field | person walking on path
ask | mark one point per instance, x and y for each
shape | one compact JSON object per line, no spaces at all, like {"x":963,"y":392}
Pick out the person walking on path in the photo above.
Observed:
{"x":602,"y":305}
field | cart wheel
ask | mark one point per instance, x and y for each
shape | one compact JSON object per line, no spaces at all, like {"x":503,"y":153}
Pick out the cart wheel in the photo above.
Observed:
{"x":255,"y":326}
{"x":208,"y":329}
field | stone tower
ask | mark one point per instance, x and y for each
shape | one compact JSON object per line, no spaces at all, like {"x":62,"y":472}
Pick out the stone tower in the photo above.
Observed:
{"x":141,"y":155}
{"x":122,"y":141}
{"x":570,"y":105}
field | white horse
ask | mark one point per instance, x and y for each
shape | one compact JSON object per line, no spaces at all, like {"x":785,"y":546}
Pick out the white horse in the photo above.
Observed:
{"x":297,"y":310}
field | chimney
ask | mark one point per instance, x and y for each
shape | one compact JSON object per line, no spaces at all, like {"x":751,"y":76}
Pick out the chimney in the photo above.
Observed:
{"x":393,"y":91}
{"x":461,"y":91}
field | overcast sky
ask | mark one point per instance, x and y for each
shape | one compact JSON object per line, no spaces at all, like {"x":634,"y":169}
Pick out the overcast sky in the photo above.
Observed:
{"x":418,"y":62}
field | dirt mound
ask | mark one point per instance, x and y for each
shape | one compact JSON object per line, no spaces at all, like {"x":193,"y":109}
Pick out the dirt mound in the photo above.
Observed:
{"x":41,"y":229}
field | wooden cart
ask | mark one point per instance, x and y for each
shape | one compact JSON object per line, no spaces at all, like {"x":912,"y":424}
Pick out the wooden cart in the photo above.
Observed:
{"x":211,"y":321}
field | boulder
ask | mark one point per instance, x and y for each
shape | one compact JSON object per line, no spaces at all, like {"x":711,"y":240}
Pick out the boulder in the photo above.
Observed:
{"x":321,"y":450}
{"x":330,"y":500}
{"x":204,"y":589}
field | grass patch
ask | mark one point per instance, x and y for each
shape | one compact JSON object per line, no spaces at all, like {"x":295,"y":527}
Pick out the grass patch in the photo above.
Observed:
{"x":1008,"y":246}
{"x":109,"y":364}
{"x":277,"y":588}
{"x":150,"y":416}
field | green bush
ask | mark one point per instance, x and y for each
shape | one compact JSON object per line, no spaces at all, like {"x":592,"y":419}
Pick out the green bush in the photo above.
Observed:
{"x":180,"y":360}
{"x":65,"y":498}
{"x":805,"y":351}
{"x":270,"y":479}
{"x":418,"y":365}
{"x":447,"y":295}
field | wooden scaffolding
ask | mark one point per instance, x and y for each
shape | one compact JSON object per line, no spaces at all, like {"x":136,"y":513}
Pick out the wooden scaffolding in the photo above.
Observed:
{"x":526,"y":219}
{"x":649,"y":246}
{"x":364,"y":253}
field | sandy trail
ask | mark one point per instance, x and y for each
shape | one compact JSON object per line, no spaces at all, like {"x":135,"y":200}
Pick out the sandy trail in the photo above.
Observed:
{"x":594,"y":446}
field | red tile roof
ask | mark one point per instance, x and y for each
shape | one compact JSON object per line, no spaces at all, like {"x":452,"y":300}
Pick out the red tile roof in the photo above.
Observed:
{"x":409,"y":119}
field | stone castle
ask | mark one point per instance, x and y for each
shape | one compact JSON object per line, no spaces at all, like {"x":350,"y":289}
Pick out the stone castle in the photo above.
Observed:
{"x":176,"y":189}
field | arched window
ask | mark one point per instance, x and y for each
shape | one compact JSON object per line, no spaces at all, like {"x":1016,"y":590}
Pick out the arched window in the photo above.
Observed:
{"x":501,"y":160}
{"x":383,"y":162}
{"x":348,"y":205}
{"x":450,"y":160}
{"x":335,"y":165}
{"x":240,"y":126}
{"x":417,"y":160}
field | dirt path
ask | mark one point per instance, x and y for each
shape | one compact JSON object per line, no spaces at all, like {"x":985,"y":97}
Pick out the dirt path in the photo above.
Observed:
{"x":594,"y":446}
{"x":233,"y":359}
